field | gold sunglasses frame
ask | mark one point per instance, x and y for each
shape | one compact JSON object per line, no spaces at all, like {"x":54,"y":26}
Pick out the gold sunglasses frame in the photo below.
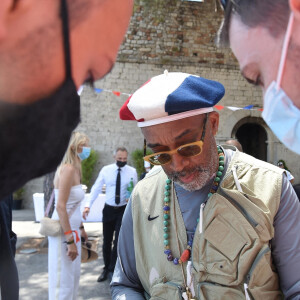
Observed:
{"x":171,"y":152}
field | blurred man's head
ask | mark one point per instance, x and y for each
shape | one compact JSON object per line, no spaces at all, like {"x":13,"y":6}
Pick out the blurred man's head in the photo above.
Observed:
{"x":47,"y":50}
{"x":264,"y":35}
{"x":31,"y":44}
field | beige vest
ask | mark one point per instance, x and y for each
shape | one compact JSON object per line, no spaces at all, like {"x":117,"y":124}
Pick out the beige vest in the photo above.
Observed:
{"x":231,"y":254}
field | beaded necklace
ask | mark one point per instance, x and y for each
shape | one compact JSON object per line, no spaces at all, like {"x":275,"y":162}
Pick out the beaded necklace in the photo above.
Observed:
{"x":166,"y":209}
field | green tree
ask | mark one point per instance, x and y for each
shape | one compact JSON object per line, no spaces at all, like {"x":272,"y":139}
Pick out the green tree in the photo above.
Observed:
{"x":138,"y":161}
{"x":88,"y":168}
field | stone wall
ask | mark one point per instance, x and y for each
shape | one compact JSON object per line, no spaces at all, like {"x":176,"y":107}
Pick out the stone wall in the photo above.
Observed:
{"x":177,"y":36}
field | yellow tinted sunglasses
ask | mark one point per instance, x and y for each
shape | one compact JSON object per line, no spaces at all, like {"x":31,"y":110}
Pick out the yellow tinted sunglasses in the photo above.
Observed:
{"x":187,"y":150}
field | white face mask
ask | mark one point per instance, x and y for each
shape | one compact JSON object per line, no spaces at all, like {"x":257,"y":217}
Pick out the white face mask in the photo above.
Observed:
{"x":281,"y":115}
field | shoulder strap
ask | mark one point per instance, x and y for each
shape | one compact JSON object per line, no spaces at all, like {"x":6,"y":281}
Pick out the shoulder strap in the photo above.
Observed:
{"x":66,"y":38}
{"x":49,"y":204}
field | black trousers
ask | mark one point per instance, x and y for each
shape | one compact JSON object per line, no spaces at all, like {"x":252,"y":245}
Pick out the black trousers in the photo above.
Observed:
{"x":9,"y":279}
{"x":112,"y":219}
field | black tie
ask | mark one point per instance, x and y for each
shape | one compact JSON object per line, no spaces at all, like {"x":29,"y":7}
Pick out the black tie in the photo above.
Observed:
{"x":118,"y":187}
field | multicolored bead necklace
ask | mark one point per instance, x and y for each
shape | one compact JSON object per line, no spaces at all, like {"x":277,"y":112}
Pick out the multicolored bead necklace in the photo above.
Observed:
{"x":187,"y":252}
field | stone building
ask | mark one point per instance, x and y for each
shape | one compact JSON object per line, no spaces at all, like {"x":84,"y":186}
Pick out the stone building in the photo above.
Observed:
{"x":178,"y":36}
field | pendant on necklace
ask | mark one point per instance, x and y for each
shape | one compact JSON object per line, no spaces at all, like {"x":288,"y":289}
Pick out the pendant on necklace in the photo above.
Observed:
{"x":187,"y":295}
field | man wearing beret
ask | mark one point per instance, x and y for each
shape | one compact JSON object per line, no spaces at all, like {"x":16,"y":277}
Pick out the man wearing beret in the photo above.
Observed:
{"x":213,"y":222}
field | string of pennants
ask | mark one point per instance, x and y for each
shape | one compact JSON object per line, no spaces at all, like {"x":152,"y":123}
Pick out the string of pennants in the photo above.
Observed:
{"x":218,"y":107}
{"x":233,"y":108}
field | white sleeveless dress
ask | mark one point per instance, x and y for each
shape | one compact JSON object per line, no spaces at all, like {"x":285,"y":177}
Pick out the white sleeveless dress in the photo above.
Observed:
{"x":64,"y":274}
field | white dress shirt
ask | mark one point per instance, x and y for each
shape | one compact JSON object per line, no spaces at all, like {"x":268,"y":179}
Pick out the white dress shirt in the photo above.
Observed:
{"x":108,"y":176}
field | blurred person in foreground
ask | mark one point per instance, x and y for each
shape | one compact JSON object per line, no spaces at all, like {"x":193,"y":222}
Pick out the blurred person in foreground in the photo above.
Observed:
{"x":9,"y":282}
{"x":64,"y":251}
{"x":48,"y":49}
{"x":212,"y":222}
{"x":264,"y":35}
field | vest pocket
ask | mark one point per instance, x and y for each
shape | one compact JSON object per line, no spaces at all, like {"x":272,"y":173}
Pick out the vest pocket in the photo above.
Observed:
{"x":261,"y":282}
{"x":223,"y":246}
{"x":208,"y":290}
{"x":168,"y":290}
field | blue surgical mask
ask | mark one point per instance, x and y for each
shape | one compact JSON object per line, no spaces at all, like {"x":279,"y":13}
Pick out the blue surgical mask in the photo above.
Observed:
{"x":86,"y":151}
{"x":280,"y":113}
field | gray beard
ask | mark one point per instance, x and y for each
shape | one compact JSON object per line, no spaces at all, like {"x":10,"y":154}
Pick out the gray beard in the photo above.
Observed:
{"x":202,"y":178}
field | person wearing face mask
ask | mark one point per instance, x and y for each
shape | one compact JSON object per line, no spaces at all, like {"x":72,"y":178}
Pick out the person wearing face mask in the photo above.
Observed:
{"x":43,"y":62}
{"x":9,"y":282}
{"x":264,"y":36}
{"x":116,"y":177}
{"x":39,"y":104}
{"x":64,"y":251}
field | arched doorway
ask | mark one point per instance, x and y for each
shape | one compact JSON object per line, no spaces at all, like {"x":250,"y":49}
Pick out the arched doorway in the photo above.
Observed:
{"x":252,"y":135}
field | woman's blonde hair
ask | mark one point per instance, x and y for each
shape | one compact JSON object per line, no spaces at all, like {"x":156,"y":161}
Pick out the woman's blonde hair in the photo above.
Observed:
{"x":71,"y":155}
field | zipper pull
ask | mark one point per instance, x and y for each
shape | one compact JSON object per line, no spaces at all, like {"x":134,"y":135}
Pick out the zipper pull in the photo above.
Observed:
{"x":201,"y":217}
{"x":235,"y":177}
{"x":246,"y":291}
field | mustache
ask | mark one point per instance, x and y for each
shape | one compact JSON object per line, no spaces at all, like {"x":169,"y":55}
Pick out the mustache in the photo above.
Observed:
{"x":176,"y":175}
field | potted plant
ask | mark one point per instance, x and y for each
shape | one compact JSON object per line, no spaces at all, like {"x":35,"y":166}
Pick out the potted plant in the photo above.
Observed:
{"x":18,"y":197}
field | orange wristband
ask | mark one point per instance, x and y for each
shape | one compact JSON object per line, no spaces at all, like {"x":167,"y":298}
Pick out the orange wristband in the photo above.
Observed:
{"x":76,"y":234}
{"x":68,"y":232}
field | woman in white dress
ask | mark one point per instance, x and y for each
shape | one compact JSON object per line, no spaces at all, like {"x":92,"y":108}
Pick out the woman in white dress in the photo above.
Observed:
{"x":64,"y":252}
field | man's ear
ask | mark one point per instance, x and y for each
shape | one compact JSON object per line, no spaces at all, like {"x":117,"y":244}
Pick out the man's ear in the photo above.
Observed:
{"x":214,"y":122}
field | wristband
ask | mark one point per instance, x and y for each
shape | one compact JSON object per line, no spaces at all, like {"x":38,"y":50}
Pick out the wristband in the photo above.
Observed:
{"x":76,"y":234}
{"x":68,"y":232}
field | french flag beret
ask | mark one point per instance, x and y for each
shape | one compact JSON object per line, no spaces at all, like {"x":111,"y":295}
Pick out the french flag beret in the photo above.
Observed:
{"x":171,"y":96}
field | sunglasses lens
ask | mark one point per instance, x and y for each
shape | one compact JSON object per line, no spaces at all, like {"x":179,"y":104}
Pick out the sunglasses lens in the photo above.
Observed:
{"x":160,"y":159}
{"x":190,"y":150}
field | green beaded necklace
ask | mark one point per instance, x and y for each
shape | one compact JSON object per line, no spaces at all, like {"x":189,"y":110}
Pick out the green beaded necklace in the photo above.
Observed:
{"x":166,"y":209}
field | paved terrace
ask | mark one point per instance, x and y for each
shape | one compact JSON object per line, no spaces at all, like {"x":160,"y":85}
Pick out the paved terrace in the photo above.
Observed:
{"x":33,"y":268}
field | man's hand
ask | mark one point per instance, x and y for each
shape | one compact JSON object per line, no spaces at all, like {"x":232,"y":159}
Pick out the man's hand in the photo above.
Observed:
{"x":85,"y":212}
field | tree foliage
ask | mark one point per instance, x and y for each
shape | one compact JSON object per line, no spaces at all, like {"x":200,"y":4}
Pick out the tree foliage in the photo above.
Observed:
{"x":88,"y":168}
{"x":138,"y":161}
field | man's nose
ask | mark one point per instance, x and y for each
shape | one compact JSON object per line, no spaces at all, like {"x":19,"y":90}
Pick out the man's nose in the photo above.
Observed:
{"x":179,"y":162}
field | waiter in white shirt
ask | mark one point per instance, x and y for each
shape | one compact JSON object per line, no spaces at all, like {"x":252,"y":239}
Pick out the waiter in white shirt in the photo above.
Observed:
{"x":116,"y":177}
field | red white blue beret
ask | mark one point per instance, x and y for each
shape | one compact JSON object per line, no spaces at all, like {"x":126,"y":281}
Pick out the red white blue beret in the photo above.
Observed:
{"x":171,"y":96}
